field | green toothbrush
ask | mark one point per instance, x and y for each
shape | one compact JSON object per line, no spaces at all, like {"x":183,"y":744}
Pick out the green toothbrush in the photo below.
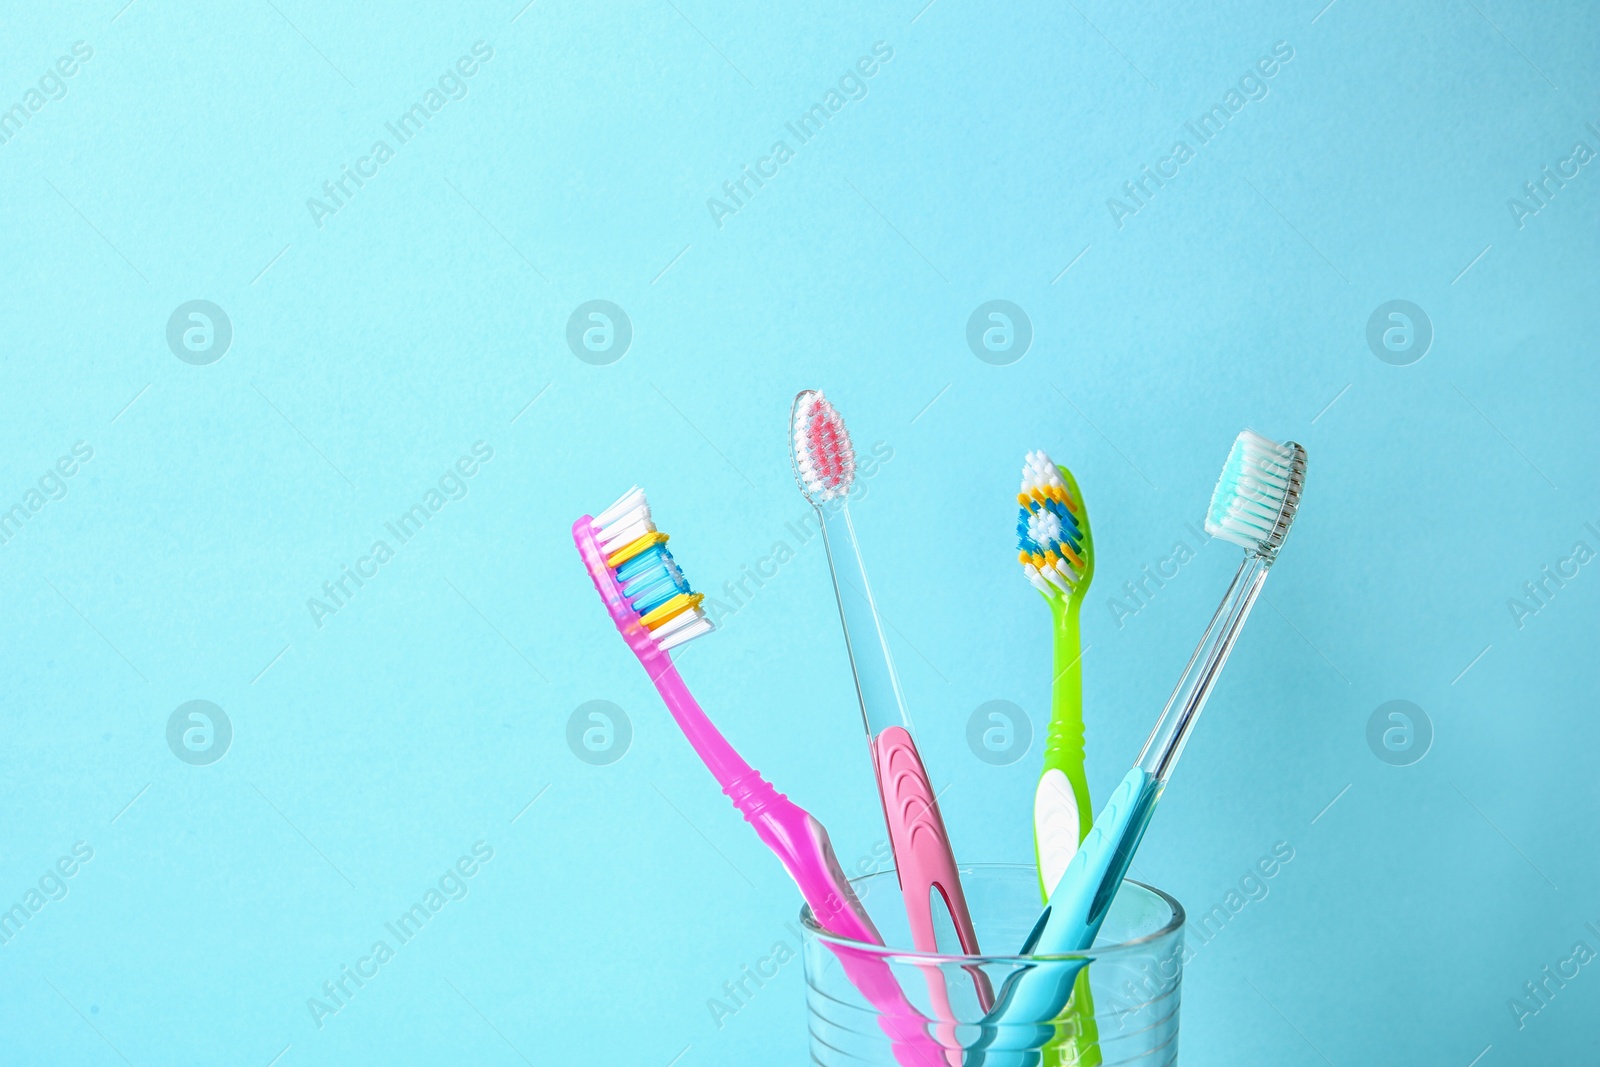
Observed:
{"x":1056,"y":550}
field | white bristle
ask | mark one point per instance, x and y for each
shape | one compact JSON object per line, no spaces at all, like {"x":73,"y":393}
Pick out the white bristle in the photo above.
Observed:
{"x":626,"y":520}
{"x":1043,"y":527}
{"x":825,"y":470}
{"x":1031,"y":572}
{"x":1257,"y":493}
{"x":694,"y":625}
{"x":1039,"y":471}
{"x":675,"y":623}
{"x":629,"y":500}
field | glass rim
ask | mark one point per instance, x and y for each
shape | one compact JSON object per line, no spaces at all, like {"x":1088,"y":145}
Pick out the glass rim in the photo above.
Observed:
{"x":1171,"y":926}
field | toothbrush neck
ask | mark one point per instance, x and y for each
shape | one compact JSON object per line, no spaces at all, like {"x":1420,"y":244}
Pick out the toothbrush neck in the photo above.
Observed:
{"x":720,"y":758}
{"x":1065,"y":733}
{"x":1189,"y":697}
{"x":865,"y":633}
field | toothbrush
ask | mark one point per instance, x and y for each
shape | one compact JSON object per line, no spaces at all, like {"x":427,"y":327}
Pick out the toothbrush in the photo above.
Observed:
{"x":655,"y":610}
{"x":1056,"y":550}
{"x":1055,"y":545}
{"x":1253,"y":506}
{"x":824,"y":466}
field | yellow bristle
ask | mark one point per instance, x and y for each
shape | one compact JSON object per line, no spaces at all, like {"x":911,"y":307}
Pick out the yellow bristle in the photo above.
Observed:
{"x":634,"y":547}
{"x":672,"y":609}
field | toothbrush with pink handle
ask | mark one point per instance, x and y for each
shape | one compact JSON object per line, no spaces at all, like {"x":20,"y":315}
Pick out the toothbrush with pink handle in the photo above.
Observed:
{"x":825,"y":467}
{"x":655,"y":610}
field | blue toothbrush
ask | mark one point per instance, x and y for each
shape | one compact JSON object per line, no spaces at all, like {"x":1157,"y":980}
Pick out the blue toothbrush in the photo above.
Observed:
{"x":1253,"y":506}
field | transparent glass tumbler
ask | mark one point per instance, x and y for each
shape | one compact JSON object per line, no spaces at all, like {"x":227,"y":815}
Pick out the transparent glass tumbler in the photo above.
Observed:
{"x":871,"y":1005}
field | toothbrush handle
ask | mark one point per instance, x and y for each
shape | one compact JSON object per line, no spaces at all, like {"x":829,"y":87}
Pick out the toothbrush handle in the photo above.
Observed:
{"x":1061,"y":818}
{"x":1021,"y":1021}
{"x":1078,"y":906}
{"x":1061,"y":811}
{"x":921,"y":845}
{"x":798,"y":840}
{"x":926,"y":865}
{"x":802,"y":844}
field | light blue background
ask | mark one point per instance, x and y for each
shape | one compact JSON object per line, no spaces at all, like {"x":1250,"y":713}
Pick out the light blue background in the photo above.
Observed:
{"x":370,"y":353}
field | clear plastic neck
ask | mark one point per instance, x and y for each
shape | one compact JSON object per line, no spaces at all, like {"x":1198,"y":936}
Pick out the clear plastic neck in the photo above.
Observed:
{"x":1178,"y":718}
{"x":866,"y":635}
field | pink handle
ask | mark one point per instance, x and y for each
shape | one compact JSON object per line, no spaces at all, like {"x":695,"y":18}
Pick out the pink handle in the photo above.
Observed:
{"x":921,"y":845}
{"x":801,"y":842}
{"x":925,"y":862}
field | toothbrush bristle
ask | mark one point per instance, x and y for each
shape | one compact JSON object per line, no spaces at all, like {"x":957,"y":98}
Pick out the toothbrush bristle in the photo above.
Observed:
{"x":650,"y":578}
{"x":1050,"y":528}
{"x":824,"y":461}
{"x":1257,"y":493}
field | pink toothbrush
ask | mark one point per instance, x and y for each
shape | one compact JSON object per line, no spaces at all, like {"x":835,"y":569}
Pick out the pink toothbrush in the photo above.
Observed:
{"x":655,"y":610}
{"x":824,"y":465}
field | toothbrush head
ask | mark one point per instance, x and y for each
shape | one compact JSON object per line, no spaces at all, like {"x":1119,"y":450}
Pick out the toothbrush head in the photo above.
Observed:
{"x":653,"y":591}
{"x":1054,"y":545}
{"x":819,"y":445}
{"x":1258,"y":493}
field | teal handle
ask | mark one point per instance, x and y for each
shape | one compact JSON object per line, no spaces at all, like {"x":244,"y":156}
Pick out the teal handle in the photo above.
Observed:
{"x":1022,"y":1020}
{"x":1078,"y":906}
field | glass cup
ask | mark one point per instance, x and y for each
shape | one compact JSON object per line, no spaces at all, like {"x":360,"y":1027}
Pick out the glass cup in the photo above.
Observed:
{"x":867,"y":1004}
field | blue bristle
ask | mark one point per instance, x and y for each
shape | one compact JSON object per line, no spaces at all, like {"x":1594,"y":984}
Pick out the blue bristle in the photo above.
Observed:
{"x":651,"y":578}
{"x":648,"y":560}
